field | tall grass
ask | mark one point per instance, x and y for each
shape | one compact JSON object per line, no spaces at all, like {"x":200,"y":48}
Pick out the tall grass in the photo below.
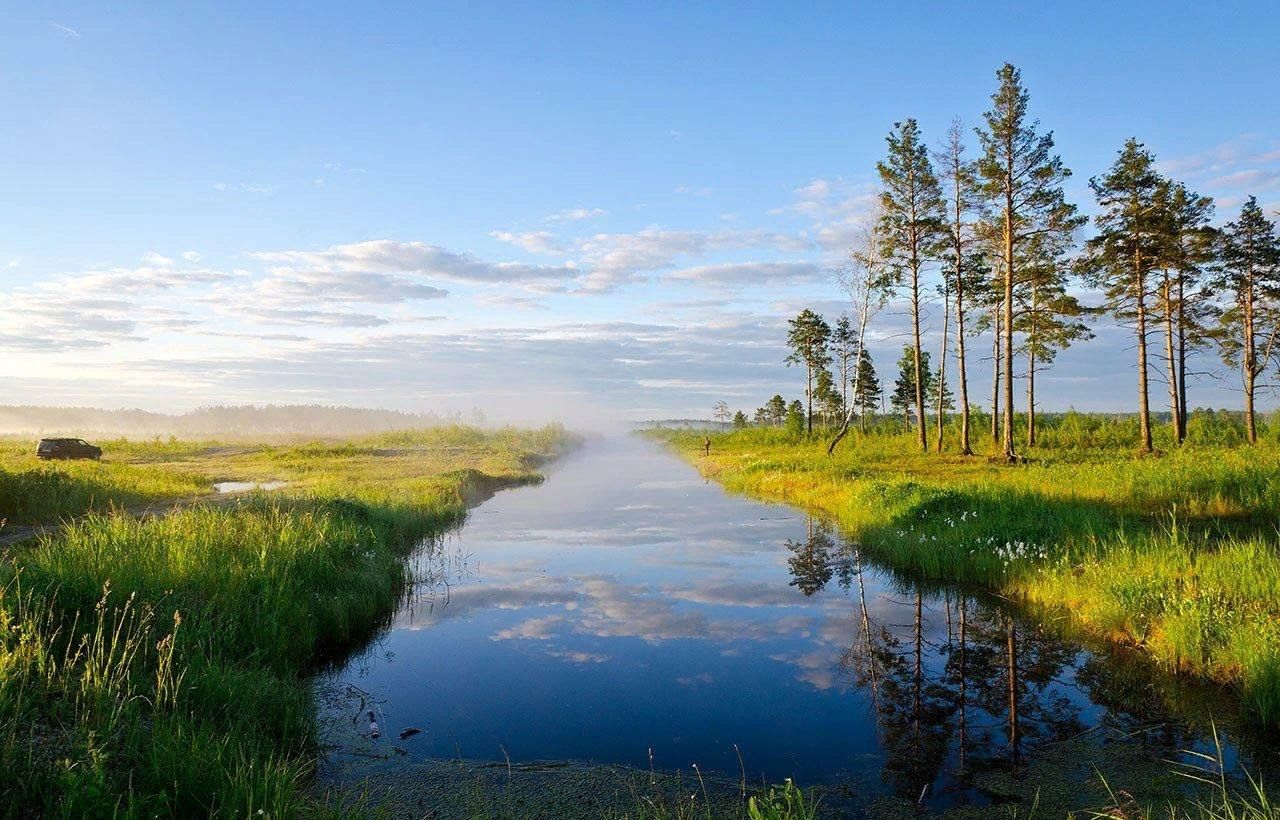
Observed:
{"x":158,"y":667}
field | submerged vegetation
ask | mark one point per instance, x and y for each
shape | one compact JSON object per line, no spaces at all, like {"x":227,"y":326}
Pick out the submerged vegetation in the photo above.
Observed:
{"x":156,"y":667}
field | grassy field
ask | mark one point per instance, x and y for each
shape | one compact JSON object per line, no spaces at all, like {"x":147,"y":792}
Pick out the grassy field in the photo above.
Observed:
{"x":1177,"y":554}
{"x":157,"y":666}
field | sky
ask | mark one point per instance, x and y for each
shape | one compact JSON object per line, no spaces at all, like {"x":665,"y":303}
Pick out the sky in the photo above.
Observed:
{"x":541,"y":210}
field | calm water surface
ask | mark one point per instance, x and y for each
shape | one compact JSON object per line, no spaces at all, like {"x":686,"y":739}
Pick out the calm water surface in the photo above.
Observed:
{"x":627,"y":607}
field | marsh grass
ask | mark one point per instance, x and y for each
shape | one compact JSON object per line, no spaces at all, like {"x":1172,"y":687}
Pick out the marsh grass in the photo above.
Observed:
{"x":157,"y":667}
{"x":1177,"y":555}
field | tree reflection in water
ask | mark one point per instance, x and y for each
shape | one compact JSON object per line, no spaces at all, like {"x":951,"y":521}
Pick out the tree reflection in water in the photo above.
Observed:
{"x":958,"y":684}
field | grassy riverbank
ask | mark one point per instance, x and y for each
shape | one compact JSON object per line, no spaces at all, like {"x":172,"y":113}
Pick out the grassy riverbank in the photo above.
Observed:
{"x":1177,"y":555}
{"x":156,"y":667}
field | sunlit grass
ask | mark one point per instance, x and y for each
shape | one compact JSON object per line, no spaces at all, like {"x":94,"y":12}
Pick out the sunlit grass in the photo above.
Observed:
{"x":157,"y":667}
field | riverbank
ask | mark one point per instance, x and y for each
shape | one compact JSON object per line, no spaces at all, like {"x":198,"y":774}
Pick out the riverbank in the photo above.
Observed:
{"x":1175,"y":555}
{"x":158,"y":666}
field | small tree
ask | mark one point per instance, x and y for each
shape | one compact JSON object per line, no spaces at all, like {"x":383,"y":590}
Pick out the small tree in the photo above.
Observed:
{"x":776,"y":409}
{"x":844,"y":351}
{"x":867,"y":391}
{"x":740,"y":420}
{"x":795,"y":418}
{"x":808,"y":338}
{"x":827,"y":396}
{"x":720,"y":412}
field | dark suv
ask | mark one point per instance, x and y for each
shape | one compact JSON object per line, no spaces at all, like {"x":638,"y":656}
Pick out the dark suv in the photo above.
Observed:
{"x":67,"y":448}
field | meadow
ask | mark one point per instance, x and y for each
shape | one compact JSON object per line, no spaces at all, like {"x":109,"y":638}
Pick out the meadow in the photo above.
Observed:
{"x":1175,"y":554}
{"x":157,"y":665}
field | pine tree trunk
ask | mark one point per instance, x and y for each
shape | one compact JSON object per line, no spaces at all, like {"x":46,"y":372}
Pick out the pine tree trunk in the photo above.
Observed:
{"x":1032,"y":337}
{"x":1174,"y":406}
{"x":1182,"y":360}
{"x":922,"y":433}
{"x":965,"y":448}
{"x":1009,"y":453}
{"x":1031,"y":398}
{"x":942,"y":368}
{"x":1249,"y":365}
{"x":995,"y":375}
{"x":1144,"y":408}
{"x":808,"y":398}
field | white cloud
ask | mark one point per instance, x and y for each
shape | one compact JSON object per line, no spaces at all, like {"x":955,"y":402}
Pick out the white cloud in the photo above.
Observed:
{"x":543,"y":242}
{"x":742,"y":274}
{"x":68,"y":31}
{"x":418,"y":258}
{"x":614,"y":259}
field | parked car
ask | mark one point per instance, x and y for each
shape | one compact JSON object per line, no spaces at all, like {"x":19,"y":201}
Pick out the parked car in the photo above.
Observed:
{"x":67,"y":448}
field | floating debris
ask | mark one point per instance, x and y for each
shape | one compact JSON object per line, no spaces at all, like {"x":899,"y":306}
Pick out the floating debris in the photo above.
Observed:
{"x":374,"y":731}
{"x":410,"y":732}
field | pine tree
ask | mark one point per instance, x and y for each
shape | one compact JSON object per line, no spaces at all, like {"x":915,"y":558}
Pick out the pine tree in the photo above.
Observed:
{"x":808,"y":338}
{"x":867,"y":390}
{"x":903,"y":397}
{"x":906,"y":387}
{"x":827,"y":396}
{"x":1021,"y":179}
{"x":911,"y":229}
{"x":795,"y":417}
{"x":1049,"y":318}
{"x":1250,"y":277}
{"x":1187,"y":247}
{"x":776,"y":408}
{"x":961,"y":272}
{"x":1124,"y":254}
{"x":740,"y":419}
{"x":844,"y":347}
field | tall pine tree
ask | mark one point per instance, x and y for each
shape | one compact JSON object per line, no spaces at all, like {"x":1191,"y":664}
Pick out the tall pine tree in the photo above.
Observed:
{"x":1187,"y":247}
{"x":1121,"y":258}
{"x":1250,"y":278}
{"x":911,"y":229}
{"x":1021,"y":179}
{"x":959,"y":182}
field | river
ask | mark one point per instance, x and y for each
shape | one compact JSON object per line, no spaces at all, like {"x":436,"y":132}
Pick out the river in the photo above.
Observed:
{"x":627,"y":611}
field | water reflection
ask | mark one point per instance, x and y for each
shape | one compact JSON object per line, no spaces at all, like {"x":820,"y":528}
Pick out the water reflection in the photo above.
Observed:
{"x":624,"y":605}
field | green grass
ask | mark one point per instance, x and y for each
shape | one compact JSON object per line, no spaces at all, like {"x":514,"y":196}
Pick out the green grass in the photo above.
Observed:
{"x":154,"y":474}
{"x":1178,"y":555}
{"x":158,"y":667}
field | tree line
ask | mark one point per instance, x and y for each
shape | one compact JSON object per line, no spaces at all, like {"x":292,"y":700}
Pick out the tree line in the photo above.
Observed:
{"x":995,"y":239}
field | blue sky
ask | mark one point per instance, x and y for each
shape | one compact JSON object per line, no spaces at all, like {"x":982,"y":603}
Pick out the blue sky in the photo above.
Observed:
{"x":535,"y":209}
